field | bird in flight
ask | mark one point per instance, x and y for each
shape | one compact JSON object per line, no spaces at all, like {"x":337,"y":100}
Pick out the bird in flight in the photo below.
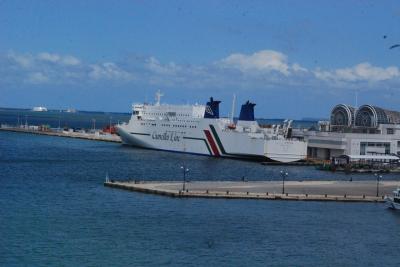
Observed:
{"x":394,"y":46}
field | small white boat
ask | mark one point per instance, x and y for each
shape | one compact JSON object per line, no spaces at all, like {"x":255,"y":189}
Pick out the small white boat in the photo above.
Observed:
{"x":39,"y":109}
{"x":394,"y":202}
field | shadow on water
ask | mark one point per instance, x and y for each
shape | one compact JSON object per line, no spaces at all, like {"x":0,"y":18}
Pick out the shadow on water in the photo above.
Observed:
{"x":394,"y":213}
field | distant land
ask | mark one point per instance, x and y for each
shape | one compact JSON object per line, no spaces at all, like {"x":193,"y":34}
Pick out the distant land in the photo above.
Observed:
{"x":314,"y":119}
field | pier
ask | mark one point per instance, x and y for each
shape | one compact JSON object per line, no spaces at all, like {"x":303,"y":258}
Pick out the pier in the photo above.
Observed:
{"x":345,"y":191}
{"x":70,"y":134}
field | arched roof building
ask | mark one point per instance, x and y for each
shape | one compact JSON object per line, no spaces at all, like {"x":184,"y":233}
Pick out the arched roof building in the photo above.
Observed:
{"x":342,"y":115}
{"x":372,"y":116}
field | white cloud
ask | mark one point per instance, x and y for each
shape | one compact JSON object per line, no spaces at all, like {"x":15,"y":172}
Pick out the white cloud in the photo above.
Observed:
{"x":37,"y":78}
{"x":363,"y":72}
{"x":108,"y":71}
{"x":55,"y":58}
{"x":264,"y":61}
{"x":297,"y":68}
{"x":155,"y":66}
{"x":48,"y":57}
{"x":54,"y":68}
{"x":70,"y":60}
{"x":23,"y":60}
{"x":263,"y":69}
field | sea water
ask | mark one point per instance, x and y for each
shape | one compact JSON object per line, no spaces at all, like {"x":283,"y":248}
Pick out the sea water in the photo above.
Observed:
{"x":55,"y":211}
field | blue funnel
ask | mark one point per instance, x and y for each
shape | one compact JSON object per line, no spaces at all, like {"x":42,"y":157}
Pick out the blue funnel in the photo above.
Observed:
{"x":247,"y":112}
{"x":212,"y":109}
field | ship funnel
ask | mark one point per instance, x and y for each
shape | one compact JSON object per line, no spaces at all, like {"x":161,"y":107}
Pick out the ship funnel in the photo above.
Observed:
{"x":212,"y":109}
{"x":247,"y":112}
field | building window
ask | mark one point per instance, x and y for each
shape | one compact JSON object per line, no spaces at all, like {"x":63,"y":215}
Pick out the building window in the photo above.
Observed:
{"x":362,"y":148}
{"x":387,"y":148}
{"x":390,"y":131}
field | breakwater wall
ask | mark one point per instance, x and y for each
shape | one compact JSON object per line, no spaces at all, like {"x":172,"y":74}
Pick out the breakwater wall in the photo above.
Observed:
{"x":88,"y":136}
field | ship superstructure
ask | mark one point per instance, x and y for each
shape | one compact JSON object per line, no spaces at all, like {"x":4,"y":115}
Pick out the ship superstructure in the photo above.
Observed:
{"x":198,"y":129}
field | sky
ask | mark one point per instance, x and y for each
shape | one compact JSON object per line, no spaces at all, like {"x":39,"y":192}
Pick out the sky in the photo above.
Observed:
{"x":294,"y":59}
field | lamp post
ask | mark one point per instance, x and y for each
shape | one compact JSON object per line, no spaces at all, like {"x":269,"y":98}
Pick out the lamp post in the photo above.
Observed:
{"x":185,"y":170}
{"x":284,"y":175}
{"x":378,"y":178}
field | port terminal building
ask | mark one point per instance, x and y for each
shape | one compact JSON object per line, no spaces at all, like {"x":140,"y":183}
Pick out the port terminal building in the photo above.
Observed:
{"x":367,"y":130}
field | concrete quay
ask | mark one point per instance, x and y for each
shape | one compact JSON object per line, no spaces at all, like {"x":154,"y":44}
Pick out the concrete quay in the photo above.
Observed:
{"x":345,"y":191}
{"x":88,"y":136}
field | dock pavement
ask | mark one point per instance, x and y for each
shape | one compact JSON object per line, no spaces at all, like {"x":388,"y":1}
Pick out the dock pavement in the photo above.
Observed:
{"x":346,"y":191}
{"x":87,"y":136}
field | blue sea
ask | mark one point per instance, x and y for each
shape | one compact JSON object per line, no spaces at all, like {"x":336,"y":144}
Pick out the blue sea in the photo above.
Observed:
{"x":55,"y":211}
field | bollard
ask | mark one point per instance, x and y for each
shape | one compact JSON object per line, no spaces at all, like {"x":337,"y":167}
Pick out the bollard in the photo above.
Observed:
{"x":227,"y":192}
{"x":207,"y":191}
{"x":247,"y":192}
{"x":363,"y":196}
{"x":306,"y":195}
{"x":326,"y":195}
{"x":267,"y":193}
{"x":187,"y":190}
{"x":344,"y":195}
{"x":287,"y":194}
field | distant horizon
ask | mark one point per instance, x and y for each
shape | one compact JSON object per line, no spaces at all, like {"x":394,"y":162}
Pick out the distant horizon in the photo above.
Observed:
{"x":310,"y":119}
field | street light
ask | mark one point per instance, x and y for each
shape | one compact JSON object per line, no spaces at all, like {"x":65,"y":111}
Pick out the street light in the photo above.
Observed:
{"x":378,"y":178}
{"x":94,"y":124}
{"x":284,"y":175}
{"x":185,"y":170}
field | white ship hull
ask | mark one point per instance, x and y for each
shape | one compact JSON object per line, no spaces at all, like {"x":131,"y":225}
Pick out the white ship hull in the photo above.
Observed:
{"x":391,"y":204}
{"x":198,"y":130}
{"x":285,"y":150}
{"x":207,"y":138}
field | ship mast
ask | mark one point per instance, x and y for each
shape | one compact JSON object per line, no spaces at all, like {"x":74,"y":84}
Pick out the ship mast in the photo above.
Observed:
{"x":233,"y":107}
{"x":158,"y":97}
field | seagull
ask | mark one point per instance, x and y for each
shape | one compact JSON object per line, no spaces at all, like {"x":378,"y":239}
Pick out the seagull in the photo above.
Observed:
{"x":394,"y":46}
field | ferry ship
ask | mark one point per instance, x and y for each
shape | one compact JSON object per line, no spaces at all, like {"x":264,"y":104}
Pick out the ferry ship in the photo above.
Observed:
{"x":198,"y":129}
